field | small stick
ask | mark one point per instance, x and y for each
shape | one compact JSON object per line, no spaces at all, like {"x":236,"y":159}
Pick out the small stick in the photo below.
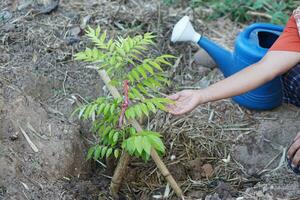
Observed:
{"x":124,"y":159}
{"x":32,"y":145}
{"x":259,"y":14}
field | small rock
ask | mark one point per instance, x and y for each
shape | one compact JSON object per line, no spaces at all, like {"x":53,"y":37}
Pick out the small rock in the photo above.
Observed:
{"x":75,"y":31}
{"x":173,"y":157}
{"x":194,"y":168}
{"x":208,"y":170}
{"x":14,"y":136}
{"x":225,"y":190}
{"x":49,"y":6}
{"x":73,"y":35}
{"x":260,"y":194}
{"x":24,"y":4}
{"x":85,"y":21}
{"x":203,"y":58}
{"x":179,"y":171}
{"x":71,"y":40}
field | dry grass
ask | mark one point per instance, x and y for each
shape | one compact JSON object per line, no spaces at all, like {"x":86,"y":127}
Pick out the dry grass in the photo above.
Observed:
{"x":43,"y":45}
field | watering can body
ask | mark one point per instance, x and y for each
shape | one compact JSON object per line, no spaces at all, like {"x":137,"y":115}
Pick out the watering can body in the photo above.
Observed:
{"x":250,"y":46}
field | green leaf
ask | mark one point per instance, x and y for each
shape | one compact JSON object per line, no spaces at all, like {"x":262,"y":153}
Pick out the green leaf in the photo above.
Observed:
{"x":135,"y":74}
{"x":165,"y":100}
{"x":163,"y":61}
{"x":132,"y":131}
{"x":87,"y":112}
{"x":116,"y":137}
{"x":160,"y":106}
{"x":131,"y":95}
{"x":137,"y":93}
{"x":148,"y":84}
{"x":81,"y":112}
{"x":142,"y":89}
{"x":156,"y":142}
{"x":97,"y":152}
{"x":148,"y":68}
{"x":138,"y":110}
{"x":111,"y":134}
{"x":106,"y":131}
{"x":145,"y":156}
{"x":108,"y":153}
{"x":162,"y":79}
{"x":100,"y":108}
{"x":112,"y":108}
{"x":103,"y":37}
{"x":151,"y":106}
{"x":116,"y":153}
{"x":145,"y":109}
{"x":142,"y":72}
{"x":154,"y":82}
{"x":130,"y":113}
{"x":91,"y":152}
{"x":130,"y":147}
{"x":156,"y":65}
{"x":130,"y":77}
{"x":146,"y":145}
{"x":103,"y":151}
{"x":138,"y":144}
{"x":106,"y":109}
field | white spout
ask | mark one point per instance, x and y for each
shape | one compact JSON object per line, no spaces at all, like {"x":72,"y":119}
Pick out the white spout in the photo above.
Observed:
{"x":183,"y":31}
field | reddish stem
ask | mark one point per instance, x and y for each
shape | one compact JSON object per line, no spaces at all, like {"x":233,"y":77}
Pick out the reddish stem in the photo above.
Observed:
{"x":125,"y":104}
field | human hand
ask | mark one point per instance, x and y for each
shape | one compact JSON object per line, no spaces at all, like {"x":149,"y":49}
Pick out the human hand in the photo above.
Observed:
{"x":294,"y":152}
{"x":185,"y":101}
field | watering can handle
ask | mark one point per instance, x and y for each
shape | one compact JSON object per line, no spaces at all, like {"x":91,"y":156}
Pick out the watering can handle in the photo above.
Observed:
{"x":266,"y":26}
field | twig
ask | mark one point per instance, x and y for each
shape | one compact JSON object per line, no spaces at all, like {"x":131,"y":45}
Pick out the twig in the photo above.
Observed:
{"x":258,"y":14}
{"x":32,"y":145}
{"x":66,"y":76}
{"x":124,"y":159}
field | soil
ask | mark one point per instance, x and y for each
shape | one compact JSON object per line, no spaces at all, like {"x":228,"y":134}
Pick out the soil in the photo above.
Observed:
{"x":219,"y":151}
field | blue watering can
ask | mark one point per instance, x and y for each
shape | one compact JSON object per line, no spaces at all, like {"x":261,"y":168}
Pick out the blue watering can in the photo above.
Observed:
{"x":250,"y":46}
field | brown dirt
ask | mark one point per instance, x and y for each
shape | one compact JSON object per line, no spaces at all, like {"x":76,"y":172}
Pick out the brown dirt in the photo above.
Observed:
{"x":41,"y":84}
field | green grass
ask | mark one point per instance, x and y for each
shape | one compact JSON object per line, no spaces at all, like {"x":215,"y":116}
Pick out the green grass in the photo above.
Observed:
{"x":278,"y":11}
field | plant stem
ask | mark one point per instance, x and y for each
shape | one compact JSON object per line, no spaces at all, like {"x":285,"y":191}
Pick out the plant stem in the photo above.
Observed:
{"x":119,"y":174}
{"x":124,"y":159}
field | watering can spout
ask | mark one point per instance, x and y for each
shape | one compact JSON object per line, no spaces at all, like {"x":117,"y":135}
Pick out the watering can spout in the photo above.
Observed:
{"x":184,"y":32}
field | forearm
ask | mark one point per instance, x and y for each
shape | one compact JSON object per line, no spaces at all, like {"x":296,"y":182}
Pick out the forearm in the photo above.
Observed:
{"x":236,"y":84}
{"x":274,"y":64}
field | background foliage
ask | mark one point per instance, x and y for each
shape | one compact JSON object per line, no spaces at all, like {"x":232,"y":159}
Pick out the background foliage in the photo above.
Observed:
{"x":238,"y":10}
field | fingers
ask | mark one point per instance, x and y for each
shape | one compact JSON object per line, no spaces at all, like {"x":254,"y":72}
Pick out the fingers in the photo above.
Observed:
{"x":173,"y":108}
{"x":294,"y":151}
{"x":296,"y":159}
{"x":176,"y":109}
{"x":174,"y":97}
{"x":294,"y":148}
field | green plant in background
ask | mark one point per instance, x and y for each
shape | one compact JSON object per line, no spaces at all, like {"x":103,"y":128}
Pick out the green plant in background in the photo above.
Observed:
{"x":240,"y":10}
{"x":139,"y":77}
{"x":170,"y":2}
{"x":276,"y":11}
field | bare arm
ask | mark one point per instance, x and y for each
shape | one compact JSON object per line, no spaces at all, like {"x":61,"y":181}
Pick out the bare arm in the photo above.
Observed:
{"x":273,"y":64}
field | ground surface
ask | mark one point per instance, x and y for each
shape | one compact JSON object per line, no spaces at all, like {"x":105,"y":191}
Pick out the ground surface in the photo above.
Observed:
{"x":220,"y":151}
